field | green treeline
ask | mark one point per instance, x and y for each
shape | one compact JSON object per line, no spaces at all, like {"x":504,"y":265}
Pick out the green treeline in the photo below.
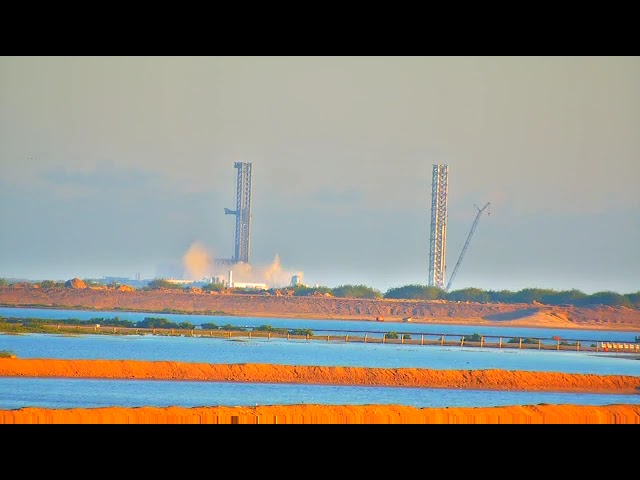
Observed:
{"x":148,"y":322}
{"x":46,"y":325}
{"x":160,"y":283}
{"x":527,"y":295}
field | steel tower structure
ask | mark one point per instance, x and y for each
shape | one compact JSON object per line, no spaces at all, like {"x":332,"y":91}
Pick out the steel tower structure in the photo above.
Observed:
{"x":438,"y":235}
{"x":242,"y":212}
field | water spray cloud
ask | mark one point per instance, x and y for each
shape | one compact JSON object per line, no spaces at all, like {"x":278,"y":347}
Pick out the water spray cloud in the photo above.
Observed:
{"x":198,"y":264}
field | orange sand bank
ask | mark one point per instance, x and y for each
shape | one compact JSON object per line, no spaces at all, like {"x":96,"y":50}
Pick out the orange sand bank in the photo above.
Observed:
{"x":330,"y":414}
{"x":268,"y":373}
{"x":385,"y":414}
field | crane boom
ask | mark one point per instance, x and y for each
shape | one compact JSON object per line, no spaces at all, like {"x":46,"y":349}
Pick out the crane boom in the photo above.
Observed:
{"x":466,"y":244}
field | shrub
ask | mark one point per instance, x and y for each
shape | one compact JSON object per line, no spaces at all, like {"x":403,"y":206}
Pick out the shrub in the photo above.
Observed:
{"x":356,"y":291}
{"x":416,"y":292}
{"x":160,"y":283}
{"x":302,"y":331}
{"x":524,"y":340}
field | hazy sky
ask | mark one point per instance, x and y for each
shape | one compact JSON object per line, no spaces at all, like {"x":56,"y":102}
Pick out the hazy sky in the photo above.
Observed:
{"x":117,"y":166}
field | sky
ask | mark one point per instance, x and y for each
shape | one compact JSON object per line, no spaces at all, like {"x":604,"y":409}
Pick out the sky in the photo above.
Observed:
{"x":122,"y":166}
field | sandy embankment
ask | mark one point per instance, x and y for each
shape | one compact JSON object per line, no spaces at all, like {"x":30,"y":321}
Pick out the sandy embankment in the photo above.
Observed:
{"x":330,"y":414}
{"x":268,"y":373}
{"x":598,"y":317}
{"x":386,"y":414}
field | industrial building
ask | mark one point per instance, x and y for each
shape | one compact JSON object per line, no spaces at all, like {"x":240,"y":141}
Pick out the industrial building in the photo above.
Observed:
{"x":249,"y":285}
{"x":179,"y":281}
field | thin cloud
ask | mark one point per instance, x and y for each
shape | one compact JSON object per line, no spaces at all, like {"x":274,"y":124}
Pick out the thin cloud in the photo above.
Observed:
{"x":104,"y":176}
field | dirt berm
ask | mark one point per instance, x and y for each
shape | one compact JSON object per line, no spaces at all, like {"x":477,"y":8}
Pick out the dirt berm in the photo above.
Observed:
{"x":329,"y":414}
{"x":491,"y":379}
{"x":436,"y":311}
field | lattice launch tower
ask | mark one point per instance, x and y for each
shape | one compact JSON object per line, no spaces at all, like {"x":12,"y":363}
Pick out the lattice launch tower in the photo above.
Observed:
{"x":438,"y":233}
{"x":242,"y":212}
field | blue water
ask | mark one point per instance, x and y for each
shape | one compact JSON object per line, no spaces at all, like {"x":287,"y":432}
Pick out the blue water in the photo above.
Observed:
{"x":313,"y":352}
{"x":81,"y":393}
{"x":338,"y":327}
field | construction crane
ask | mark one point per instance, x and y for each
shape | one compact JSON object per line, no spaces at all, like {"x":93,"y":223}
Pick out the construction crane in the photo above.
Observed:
{"x":466,"y":244}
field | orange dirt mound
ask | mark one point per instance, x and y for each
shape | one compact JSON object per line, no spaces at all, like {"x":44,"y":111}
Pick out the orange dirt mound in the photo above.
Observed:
{"x":492,"y":379}
{"x":75,"y":283}
{"x":329,"y":414}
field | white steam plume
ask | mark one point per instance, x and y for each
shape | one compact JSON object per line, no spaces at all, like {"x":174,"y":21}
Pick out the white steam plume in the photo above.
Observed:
{"x":197,"y":262}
